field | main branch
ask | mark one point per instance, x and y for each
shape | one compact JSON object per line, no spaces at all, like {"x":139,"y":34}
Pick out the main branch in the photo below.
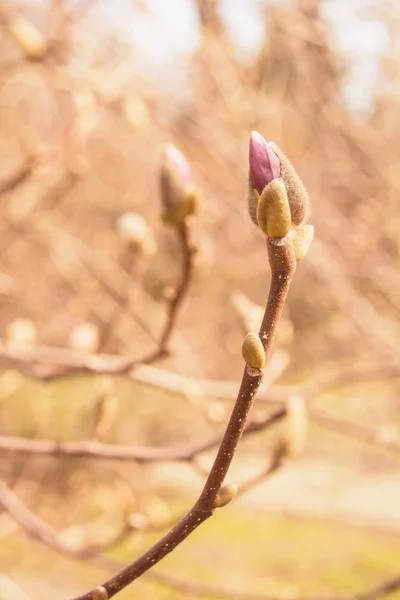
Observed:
{"x":283,"y":265}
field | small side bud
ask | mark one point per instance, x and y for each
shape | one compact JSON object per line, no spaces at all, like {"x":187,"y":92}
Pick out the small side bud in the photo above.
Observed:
{"x":296,"y":426}
{"x":180,"y":198}
{"x":253,"y":351}
{"x":226,"y":494}
{"x":273,"y":213}
{"x":299,"y":200}
{"x":301,"y":240}
{"x":100,"y":593}
{"x":135,"y":232}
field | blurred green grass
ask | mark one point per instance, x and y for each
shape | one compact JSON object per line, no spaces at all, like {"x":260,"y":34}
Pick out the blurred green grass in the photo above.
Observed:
{"x":236,"y":550}
{"x":239,"y":549}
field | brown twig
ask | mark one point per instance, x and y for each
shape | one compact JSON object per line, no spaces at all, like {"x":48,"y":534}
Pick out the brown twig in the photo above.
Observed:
{"x":283,"y":265}
{"x":17,"y":178}
{"x":115,"y":365}
{"x":362,"y":433}
{"x":141,"y":454}
{"x":135,"y":264}
{"x":40,"y":362}
{"x":187,"y":251}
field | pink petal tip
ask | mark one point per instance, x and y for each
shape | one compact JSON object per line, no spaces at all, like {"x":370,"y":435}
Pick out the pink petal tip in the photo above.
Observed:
{"x":264,"y":163}
{"x":178,"y":162}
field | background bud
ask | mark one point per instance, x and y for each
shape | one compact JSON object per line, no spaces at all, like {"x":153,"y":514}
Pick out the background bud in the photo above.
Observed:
{"x":177,"y":161}
{"x":273,"y":212}
{"x":134,"y":231}
{"x":29,"y":38}
{"x":21,"y":333}
{"x":179,"y":196}
{"x":84,"y":337}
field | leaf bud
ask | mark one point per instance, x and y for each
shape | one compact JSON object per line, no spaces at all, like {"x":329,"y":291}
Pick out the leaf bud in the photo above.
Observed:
{"x":225,"y":495}
{"x":253,"y":351}
{"x":100,"y":593}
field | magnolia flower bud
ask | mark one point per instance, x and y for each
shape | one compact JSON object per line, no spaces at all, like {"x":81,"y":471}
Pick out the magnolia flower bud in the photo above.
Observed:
{"x":273,"y":211}
{"x":267,"y":162}
{"x":179,"y":196}
{"x":253,"y":351}
{"x":226,"y":494}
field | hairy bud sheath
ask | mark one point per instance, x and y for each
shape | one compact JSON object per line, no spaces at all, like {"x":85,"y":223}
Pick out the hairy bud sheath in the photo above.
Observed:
{"x":179,"y":196}
{"x":299,"y":199}
{"x":253,"y":351}
{"x":267,"y":162}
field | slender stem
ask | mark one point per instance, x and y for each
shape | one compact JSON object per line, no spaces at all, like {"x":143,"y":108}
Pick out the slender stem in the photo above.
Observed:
{"x":283,"y":266}
{"x":187,"y":252}
{"x":135,"y":261}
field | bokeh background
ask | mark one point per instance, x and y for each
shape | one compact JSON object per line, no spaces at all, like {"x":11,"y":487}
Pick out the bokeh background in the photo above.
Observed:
{"x":90,"y":93}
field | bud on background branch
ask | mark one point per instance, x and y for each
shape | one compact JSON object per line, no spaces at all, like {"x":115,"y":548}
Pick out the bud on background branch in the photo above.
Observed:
{"x":179,"y":195}
{"x":135,"y":232}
